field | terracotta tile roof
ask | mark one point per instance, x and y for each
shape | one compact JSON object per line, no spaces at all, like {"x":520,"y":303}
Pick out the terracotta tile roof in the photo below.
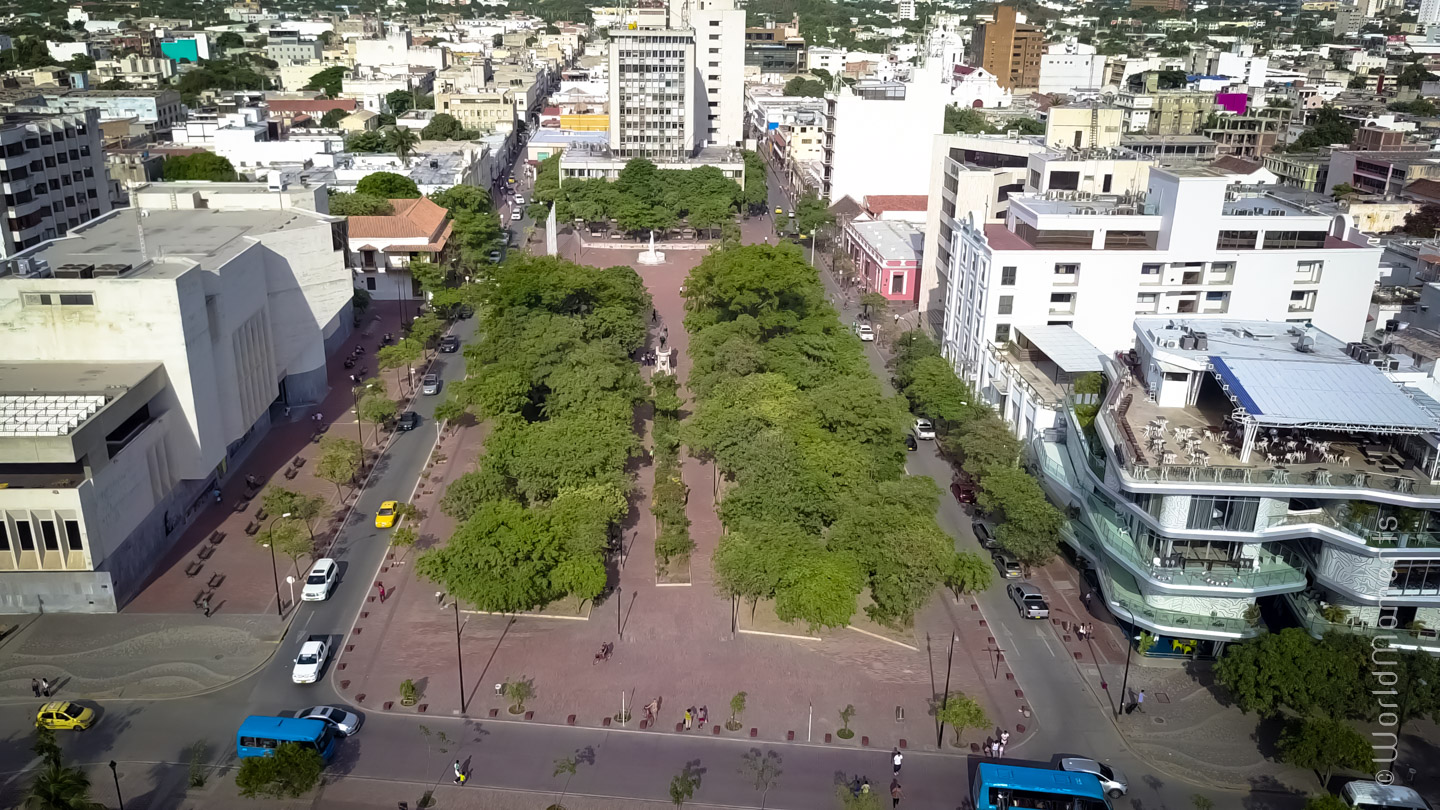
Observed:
{"x":1230,"y":163}
{"x":322,"y":105}
{"x":875,"y":203}
{"x":413,"y":219}
{"x":1429,"y":189}
{"x":846,"y":208}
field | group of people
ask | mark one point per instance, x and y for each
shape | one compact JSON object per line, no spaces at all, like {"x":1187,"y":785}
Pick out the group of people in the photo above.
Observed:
{"x":995,"y":746}
{"x":1085,"y":631}
{"x":40,"y":686}
{"x":696,"y":717}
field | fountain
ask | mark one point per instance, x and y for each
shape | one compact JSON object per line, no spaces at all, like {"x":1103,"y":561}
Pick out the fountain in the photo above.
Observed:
{"x":652,"y":256}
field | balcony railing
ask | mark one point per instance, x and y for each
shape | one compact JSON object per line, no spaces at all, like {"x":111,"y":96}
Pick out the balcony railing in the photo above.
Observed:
{"x":1124,"y":597}
{"x":1277,"y":567}
{"x":1314,"y":621}
{"x":1371,"y":537}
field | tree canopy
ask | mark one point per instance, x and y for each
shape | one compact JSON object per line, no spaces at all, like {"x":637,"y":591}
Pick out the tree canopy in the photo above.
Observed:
{"x":446,"y":127}
{"x":642,"y":197}
{"x":199,"y":166}
{"x":818,"y":508}
{"x":554,"y":377}
{"x":329,"y":81}
{"x":801,"y":86}
{"x":388,"y":186}
{"x":1326,"y":128}
{"x":346,"y":204}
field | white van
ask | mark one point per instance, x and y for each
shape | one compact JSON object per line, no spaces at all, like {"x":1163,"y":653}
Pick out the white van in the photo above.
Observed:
{"x":1375,"y":796}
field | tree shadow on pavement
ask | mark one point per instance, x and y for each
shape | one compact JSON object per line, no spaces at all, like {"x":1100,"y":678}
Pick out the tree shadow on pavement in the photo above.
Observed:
{"x":479,"y":679}
{"x":1268,"y":792}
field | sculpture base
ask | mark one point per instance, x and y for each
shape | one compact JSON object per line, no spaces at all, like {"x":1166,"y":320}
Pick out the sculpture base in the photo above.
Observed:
{"x":652,"y":257}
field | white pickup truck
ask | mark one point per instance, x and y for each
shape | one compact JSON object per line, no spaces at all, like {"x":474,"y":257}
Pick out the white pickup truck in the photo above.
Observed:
{"x":310,"y":660}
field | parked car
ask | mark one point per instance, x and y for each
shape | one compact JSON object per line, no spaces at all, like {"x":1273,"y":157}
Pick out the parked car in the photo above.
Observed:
{"x":310,"y":660}
{"x":910,"y":443}
{"x":430,"y":385}
{"x":963,"y":491}
{"x":344,"y":722}
{"x":1111,"y":781}
{"x":320,"y":581}
{"x":385,"y":517}
{"x":924,"y":428}
{"x":865,"y":332}
{"x":408,"y":420}
{"x":779,"y":210}
{"x":1006,"y":563}
{"x":62,"y":714}
{"x":519,"y":200}
{"x":983,"y":534}
{"x":1028,"y":598}
{"x":449,"y":344}
{"x":515,"y":215}
{"x":494,"y":257}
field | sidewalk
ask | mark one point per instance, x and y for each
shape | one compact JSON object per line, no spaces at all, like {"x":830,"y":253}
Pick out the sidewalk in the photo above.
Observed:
{"x":238,"y":567}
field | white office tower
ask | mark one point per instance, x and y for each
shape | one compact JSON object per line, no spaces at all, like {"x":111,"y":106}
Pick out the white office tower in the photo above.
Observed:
{"x":654,"y":97}
{"x":720,"y":64}
{"x":1429,"y":15}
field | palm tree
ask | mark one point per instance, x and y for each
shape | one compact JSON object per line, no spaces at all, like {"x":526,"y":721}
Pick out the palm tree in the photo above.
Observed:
{"x":401,"y":141}
{"x":61,"y":788}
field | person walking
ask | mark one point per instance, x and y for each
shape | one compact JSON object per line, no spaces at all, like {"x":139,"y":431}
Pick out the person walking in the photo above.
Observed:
{"x":45,"y":687}
{"x":689,"y":718}
{"x":1000,"y":751}
{"x":35,"y":686}
{"x":381,"y":586}
{"x":205,"y":605}
{"x":896,"y":794}
{"x":1085,"y":600}
{"x":216,"y":493}
{"x":896,"y":759}
{"x":1140,"y":701}
{"x":459,"y":774}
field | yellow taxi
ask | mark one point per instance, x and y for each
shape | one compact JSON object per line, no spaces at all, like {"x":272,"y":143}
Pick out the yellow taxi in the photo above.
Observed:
{"x":779,"y":210}
{"x":62,"y":714}
{"x":385,"y":518}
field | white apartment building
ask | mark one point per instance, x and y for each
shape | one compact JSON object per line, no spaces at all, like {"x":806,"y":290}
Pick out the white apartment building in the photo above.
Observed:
{"x":433,"y":165}
{"x":53,"y":169}
{"x":720,"y":59}
{"x":1188,"y":245}
{"x":898,"y":120}
{"x":136,"y":71}
{"x":292,"y":48}
{"x":830,"y":60}
{"x":654,"y":96}
{"x":1429,"y":14}
{"x":1229,"y":464}
{"x":1071,"y":66}
{"x":147,"y":352}
{"x":396,"y":50}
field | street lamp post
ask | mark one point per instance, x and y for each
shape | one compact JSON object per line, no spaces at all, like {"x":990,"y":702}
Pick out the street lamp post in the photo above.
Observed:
{"x":619,"y":631}
{"x":116,"y":774}
{"x":274,"y":570}
{"x":1125,"y":681}
{"x":459,"y":659}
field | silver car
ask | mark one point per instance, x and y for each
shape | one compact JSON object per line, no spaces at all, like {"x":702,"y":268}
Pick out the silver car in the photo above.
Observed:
{"x":1112,"y":781}
{"x":430,"y":385}
{"x":1029,"y":600}
{"x":346,"y":723}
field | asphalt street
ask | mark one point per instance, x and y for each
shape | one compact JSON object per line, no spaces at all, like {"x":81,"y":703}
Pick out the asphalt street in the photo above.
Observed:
{"x":148,"y":738}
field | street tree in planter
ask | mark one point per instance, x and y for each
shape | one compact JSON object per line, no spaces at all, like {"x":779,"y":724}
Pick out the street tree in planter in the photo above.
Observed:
{"x":377,"y":409}
{"x":290,"y":771}
{"x":846,"y":715}
{"x":289,"y":538}
{"x":1323,"y":745}
{"x":518,"y":691}
{"x":339,"y":461}
{"x":961,"y":712}
{"x":737,"y":708}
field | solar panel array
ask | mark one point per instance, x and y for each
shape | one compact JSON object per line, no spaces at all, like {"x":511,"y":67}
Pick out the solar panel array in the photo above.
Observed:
{"x":46,"y":415}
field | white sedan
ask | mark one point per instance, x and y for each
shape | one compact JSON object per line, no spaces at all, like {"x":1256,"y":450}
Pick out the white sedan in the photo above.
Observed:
{"x":346,"y":723}
{"x":310,"y":661}
{"x":865,"y":332}
{"x":515,"y":215}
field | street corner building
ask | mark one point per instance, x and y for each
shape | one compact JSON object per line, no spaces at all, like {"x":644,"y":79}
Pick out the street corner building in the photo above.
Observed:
{"x":147,"y":351}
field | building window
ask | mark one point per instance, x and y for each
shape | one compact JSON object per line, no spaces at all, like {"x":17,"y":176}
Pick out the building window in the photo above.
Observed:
{"x":897,"y":284}
{"x":4,"y":534}
{"x":1302,"y":301}
{"x":1222,"y":513}
{"x":1236,"y":240}
{"x":48,"y":535}
{"x":1007,"y":277}
{"x":1281,"y":240}
{"x":1145,"y":303}
{"x":1308,"y":272}
{"x":72,"y":536}
{"x":1066,"y":273}
{"x":25,"y":534}
{"x":1007,"y":305}
{"x":370,"y":282}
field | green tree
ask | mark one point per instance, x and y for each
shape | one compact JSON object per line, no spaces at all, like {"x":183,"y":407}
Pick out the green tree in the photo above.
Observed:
{"x":811,"y":214}
{"x":404,"y":353}
{"x":518,"y":691}
{"x":965,"y":572}
{"x":1326,"y":802}
{"x":966,"y":120}
{"x":339,"y":461}
{"x":1423,"y":223}
{"x":984,"y":444}
{"x":442,"y":127}
{"x":290,"y":771}
{"x":873,"y":303}
{"x":683,"y":786}
{"x":761,"y":769}
{"x":229,"y":41}
{"x":737,"y":708}
{"x":199,"y":166}
{"x":402,"y":141}
{"x":79,"y":63}
{"x":1326,"y":128}
{"x":346,"y":204}
{"x":387,"y":186}
{"x":57,"y":787}
{"x":801,"y":86}
{"x":329,"y":81}
{"x":368,"y":141}
{"x":289,"y":538}
{"x":961,"y":712}
{"x":281,"y":501}
{"x":1290,"y":670}
{"x":819,"y":590}
{"x":377,"y":409}
{"x":846,"y":715}
{"x":1323,"y":745}
{"x":332,"y":118}
{"x":1414,"y":75}
{"x":1343,"y":190}
{"x":400,"y":101}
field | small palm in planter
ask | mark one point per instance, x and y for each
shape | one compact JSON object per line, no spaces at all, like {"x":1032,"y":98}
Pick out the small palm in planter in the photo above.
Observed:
{"x":846,"y":714}
{"x":409,"y":695}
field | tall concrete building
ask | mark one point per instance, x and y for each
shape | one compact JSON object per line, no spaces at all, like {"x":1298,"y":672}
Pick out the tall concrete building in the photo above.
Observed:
{"x":720,"y":61}
{"x":1429,"y":14}
{"x":54,"y":173}
{"x":654,"y":94}
{"x":1010,"y":49}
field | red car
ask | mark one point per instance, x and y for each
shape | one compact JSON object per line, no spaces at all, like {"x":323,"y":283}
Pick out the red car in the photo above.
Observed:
{"x":964,"y":490}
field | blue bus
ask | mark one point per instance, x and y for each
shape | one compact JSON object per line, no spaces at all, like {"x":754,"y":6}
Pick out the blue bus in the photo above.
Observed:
{"x":259,"y":736}
{"x":1000,"y":787}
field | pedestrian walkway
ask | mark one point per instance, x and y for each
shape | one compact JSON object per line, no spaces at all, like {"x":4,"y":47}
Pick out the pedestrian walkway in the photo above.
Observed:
{"x":217,"y":555}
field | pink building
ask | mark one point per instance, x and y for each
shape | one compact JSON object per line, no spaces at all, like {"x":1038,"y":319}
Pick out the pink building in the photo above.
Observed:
{"x":886,"y":254}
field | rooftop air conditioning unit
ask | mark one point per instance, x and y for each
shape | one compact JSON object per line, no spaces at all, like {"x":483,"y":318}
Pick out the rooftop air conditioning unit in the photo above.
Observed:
{"x":1202,"y":342}
{"x":1187,"y":342}
{"x":1306,"y":344}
